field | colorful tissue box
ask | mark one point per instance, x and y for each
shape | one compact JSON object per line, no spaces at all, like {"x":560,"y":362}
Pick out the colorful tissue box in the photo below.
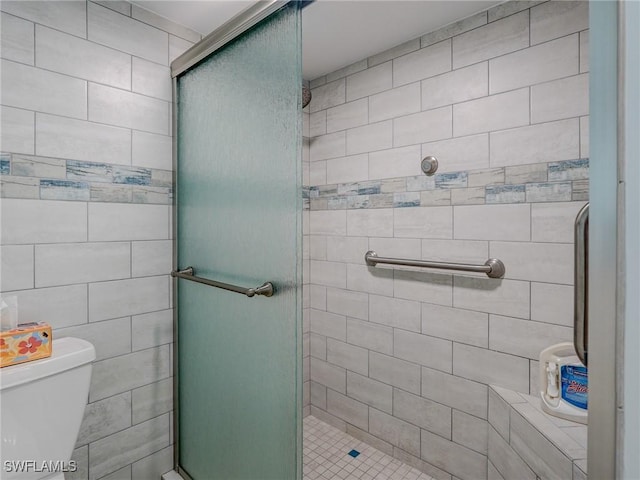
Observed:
{"x":26,"y":342}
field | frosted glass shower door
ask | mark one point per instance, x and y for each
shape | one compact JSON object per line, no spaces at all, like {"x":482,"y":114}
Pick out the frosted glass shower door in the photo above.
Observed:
{"x":239,"y":222}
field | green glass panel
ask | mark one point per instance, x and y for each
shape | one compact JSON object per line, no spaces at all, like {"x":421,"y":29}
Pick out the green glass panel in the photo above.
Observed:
{"x":239,"y":222}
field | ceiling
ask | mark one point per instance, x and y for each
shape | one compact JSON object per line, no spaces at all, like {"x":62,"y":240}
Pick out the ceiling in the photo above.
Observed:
{"x":335,"y":33}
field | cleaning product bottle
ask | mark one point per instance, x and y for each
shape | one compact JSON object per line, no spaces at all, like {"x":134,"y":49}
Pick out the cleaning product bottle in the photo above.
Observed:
{"x":564,"y":387}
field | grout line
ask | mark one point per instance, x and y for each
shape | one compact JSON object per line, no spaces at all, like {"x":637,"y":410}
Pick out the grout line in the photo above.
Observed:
{"x":86,"y":20}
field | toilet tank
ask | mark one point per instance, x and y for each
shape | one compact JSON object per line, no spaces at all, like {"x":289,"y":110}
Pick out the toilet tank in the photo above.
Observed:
{"x":41,"y":407}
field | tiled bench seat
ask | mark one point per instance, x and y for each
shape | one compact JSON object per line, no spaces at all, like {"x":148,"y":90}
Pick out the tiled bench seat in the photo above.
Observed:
{"x":526,"y":443}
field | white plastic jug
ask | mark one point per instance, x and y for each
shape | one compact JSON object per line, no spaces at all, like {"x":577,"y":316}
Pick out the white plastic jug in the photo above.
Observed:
{"x":564,"y":387}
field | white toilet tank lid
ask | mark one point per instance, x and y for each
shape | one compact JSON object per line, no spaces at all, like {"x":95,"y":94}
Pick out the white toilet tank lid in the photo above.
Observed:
{"x":68,"y":353}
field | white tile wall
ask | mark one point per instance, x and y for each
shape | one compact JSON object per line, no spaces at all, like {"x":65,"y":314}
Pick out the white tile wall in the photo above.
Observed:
{"x":162,"y":23}
{"x":546,"y":142}
{"x":75,"y":262}
{"x":498,"y":38}
{"x":424,"y":413}
{"x":423,"y":63}
{"x":118,"y":298}
{"x":497,"y":98}
{"x":58,"y":306}
{"x":377,"y":136}
{"x":370,"y":223}
{"x":90,"y":61}
{"x":113,"y":221}
{"x":371,"y":392}
{"x":62,"y":137}
{"x":130,"y":110}
{"x":70,"y":263}
{"x":16,"y":271}
{"x":460,"y":153}
{"x":422,"y":127}
{"x":564,"y":98}
{"x":111,"y":338}
{"x":557,"y":20}
{"x":548,"y":61}
{"x":151,"y":79}
{"x":126,"y":34}
{"x":496,"y":112}
{"x":328,"y":146}
{"x":348,"y":115}
{"x":369,"y":82}
{"x":35,"y":89}
{"x":395,"y":102}
{"x":17,"y":39}
{"x":397,"y":432}
{"x":67,"y":16}
{"x":456,"y":86}
{"x":329,"y":95}
{"x":492,"y":222}
{"x":346,"y":169}
{"x":38,"y":221}
{"x":17,"y":130}
{"x":151,"y":258}
{"x":151,"y":150}
{"x":423,"y":222}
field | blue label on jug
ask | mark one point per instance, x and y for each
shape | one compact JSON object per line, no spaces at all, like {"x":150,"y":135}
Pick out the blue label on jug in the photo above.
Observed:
{"x":575,"y":387}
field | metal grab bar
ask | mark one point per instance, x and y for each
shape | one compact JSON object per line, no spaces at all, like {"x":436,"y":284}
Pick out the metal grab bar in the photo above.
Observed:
{"x":581,"y":285}
{"x":493,"y":267}
{"x":188,"y":273}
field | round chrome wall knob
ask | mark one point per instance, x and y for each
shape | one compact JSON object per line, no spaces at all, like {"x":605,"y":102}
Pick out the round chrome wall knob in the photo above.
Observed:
{"x":429,"y":165}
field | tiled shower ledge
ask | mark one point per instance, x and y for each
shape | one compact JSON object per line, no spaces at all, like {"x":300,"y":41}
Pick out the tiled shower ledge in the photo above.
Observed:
{"x":527,"y":443}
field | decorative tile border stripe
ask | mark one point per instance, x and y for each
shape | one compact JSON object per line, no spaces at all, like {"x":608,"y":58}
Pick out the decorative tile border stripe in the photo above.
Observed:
{"x":541,"y":182}
{"x":27,"y":176}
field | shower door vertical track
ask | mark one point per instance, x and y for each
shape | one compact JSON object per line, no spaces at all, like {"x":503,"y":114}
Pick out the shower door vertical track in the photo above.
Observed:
{"x":174,"y":266}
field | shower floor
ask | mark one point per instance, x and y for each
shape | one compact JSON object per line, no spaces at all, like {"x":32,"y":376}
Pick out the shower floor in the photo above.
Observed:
{"x":326,"y":456}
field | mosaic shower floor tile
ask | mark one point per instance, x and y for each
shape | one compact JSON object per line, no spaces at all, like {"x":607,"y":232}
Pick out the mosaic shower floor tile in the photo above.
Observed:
{"x":327,"y":454}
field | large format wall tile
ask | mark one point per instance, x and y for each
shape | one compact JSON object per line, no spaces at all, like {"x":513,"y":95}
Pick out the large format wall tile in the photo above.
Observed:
{"x":81,"y":263}
{"x":37,"y":221}
{"x":58,"y":306}
{"x":88,"y":60}
{"x":492,"y":40}
{"x":549,"y":61}
{"x":126,"y":372}
{"x":81,"y":140}
{"x":16,"y":270}
{"x":118,"y":107}
{"x":423,"y":63}
{"x":17,"y":130}
{"x":122,"y":448}
{"x":35,"y":89}
{"x":119,"y":298}
{"x":113,"y":221}
{"x":110,"y":338}
{"x":17,"y":39}
{"x":122,"y":33}
{"x":67,"y":16}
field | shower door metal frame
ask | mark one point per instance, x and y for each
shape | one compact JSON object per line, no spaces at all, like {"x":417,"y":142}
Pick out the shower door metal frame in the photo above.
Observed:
{"x":224,"y":34}
{"x":612,"y":34}
{"x":213,"y":42}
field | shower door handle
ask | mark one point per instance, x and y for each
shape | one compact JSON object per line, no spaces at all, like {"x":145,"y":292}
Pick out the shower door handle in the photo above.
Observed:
{"x":266,"y":289}
{"x":581,"y":285}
